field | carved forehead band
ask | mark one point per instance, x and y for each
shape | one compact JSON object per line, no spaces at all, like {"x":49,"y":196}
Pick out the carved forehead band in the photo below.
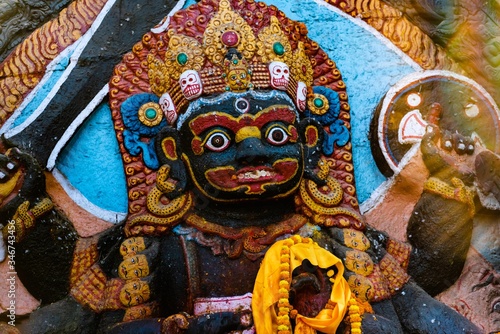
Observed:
{"x":230,"y":96}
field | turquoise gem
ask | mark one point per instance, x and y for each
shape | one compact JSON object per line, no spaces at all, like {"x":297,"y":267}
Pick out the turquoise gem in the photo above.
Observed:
{"x":318,"y":103}
{"x":150,"y":113}
{"x":278,"y":48}
{"x":235,"y":61}
{"x":182,"y":58}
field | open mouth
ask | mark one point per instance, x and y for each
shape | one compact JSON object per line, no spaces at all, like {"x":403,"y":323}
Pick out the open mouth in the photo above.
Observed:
{"x":279,"y":82}
{"x":192,"y":90}
{"x":252,"y":179}
{"x":254,"y":175}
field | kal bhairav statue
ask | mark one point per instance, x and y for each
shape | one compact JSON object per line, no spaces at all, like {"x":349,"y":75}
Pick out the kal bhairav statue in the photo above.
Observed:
{"x":234,"y":131}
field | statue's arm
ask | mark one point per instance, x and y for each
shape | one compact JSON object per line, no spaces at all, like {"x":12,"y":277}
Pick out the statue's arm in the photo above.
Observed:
{"x":440,"y":226}
{"x":38,"y":239}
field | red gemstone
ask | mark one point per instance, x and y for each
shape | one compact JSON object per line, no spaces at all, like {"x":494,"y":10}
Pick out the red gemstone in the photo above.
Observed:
{"x":230,"y":38}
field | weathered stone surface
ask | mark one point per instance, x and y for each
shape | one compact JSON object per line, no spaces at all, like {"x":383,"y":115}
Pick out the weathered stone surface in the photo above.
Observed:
{"x":18,"y":18}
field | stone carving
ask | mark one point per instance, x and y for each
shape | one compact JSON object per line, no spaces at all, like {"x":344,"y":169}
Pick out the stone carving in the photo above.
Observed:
{"x":20,"y":17}
{"x":241,"y":191}
{"x":42,"y":46}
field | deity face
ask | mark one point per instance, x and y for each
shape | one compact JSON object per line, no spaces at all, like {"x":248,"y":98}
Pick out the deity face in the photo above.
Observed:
{"x":134,"y":267}
{"x":234,"y":151}
{"x":361,"y":287}
{"x":134,"y":293}
{"x":132,"y":246}
{"x":238,"y":80}
{"x":355,"y":239}
{"x":359,"y":262}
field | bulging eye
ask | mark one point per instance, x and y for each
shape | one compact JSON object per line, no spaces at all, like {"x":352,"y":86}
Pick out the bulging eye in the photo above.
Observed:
{"x":496,"y":307}
{"x":277,"y":136}
{"x":217,"y":142}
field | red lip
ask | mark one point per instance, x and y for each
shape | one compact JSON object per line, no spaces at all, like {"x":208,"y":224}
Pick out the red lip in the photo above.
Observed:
{"x":253,"y":178}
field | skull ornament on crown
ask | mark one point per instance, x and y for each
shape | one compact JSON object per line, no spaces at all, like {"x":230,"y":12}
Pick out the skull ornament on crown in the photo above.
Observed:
{"x":191,"y":85}
{"x":168,"y":107}
{"x":280,"y":75}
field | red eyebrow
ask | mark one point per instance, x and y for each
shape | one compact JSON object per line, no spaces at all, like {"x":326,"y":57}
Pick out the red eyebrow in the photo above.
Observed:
{"x":281,"y":113}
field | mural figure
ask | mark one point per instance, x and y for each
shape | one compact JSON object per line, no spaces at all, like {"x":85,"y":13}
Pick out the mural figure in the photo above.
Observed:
{"x":234,"y":126}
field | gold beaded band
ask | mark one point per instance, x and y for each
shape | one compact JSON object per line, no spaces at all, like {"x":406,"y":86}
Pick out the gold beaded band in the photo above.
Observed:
{"x":458,"y":191}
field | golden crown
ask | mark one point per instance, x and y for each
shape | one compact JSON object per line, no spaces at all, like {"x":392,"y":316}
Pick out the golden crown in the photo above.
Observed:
{"x":229,"y":56}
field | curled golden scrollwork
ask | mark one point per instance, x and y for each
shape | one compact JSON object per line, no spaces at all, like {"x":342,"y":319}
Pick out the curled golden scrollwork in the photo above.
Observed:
{"x":163,"y":213}
{"x":322,"y":204}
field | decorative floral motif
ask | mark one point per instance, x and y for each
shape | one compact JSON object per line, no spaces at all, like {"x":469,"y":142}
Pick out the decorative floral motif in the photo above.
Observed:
{"x":143,"y":119}
{"x":228,"y":29}
{"x":324,"y":106}
{"x":275,"y":44}
{"x":159,"y":79}
{"x":301,"y":67}
{"x":183,"y":53}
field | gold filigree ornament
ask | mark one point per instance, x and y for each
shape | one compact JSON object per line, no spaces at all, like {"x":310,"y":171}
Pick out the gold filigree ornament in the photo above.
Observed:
{"x":301,"y":67}
{"x":227,"y":29}
{"x":159,"y":78}
{"x":150,"y":114}
{"x":275,"y":44}
{"x":183,"y":53}
{"x":318,"y":104}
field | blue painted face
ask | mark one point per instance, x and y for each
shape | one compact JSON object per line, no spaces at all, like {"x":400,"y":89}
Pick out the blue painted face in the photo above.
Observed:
{"x":243,"y":148}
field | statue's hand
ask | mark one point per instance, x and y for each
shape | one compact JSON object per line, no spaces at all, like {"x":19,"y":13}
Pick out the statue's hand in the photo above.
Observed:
{"x":310,"y":288}
{"x":22,"y":193}
{"x":443,"y":150}
{"x":20,"y":176}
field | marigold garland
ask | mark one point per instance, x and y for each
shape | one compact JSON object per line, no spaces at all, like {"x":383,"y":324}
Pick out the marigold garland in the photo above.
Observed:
{"x":271,"y":307}
{"x":284,"y":306}
{"x":356,"y":309}
{"x":354,"y":317}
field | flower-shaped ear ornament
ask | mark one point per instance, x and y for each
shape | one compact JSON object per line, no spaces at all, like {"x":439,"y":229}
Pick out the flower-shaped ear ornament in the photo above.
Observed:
{"x":143,"y":118}
{"x":324,"y":106}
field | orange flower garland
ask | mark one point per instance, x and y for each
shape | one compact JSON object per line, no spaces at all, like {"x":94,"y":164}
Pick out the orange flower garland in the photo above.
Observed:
{"x":354,"y":317}
{"x":271,"y":307}
{"x":284,"y":306}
